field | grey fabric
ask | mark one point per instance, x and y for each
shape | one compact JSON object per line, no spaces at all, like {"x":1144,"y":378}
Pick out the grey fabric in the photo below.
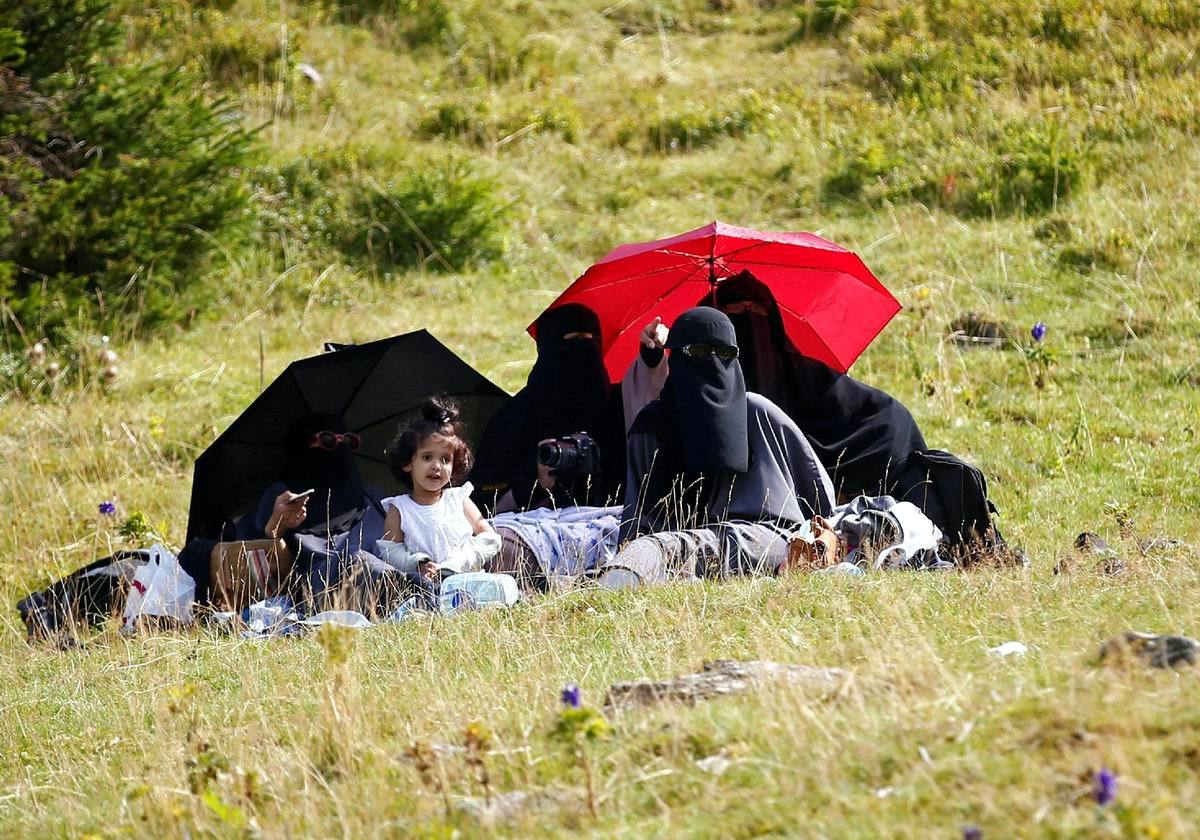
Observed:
{"x":720,"y":551}
{"x":785,"y":480}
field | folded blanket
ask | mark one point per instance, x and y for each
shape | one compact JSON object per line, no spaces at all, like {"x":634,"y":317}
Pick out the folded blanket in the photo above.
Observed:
{"x":566,"y":541}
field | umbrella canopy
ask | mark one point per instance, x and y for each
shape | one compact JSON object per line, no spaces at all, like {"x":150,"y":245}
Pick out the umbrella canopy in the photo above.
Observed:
{"x":375,"y":387}
{"x":832,"y":306}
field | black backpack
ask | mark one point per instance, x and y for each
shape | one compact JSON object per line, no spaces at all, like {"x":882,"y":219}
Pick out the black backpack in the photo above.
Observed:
{"x":84,"y":598}
{"x":953,"y":494}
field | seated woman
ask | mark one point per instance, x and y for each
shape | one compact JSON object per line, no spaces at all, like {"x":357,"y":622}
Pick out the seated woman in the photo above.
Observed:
{"x":568,"y":393}
{"x":717,"y":477}
{"x":861,"y":434}
{"x":321,"y":524}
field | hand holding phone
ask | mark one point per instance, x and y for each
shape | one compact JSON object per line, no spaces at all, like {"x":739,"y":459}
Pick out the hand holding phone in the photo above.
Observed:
{"x":302,"y":496}
{"x":289,"y":512}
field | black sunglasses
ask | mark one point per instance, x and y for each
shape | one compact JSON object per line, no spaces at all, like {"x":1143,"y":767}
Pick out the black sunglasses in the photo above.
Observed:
{"x":725,"y":352}
{"x":332,"y":440}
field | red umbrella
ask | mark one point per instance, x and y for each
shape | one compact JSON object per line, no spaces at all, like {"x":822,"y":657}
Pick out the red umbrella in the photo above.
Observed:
{"x":832,"y":305}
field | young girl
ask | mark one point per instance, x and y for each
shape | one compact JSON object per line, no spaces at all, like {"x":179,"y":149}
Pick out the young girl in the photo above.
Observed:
{"x":435,"y":529}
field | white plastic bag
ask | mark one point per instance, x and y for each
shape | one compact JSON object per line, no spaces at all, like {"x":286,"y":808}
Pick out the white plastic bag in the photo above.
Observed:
{"x":160,"y":588}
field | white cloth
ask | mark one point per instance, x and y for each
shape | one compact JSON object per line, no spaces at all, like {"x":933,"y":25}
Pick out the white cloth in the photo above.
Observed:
{"x":440,"y":532}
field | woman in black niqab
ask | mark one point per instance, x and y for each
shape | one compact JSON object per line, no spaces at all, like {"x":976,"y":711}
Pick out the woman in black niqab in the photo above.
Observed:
{"x":337,"y":500}
{"x":331,"y":548}
{"x":568,"y":391}
{"x":860,"y":433}
{"x":718,"y":476}
{"x":699,"y":419}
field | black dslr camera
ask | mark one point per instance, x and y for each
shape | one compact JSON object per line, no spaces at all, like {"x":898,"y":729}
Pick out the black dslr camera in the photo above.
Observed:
{"x":575,"y":454}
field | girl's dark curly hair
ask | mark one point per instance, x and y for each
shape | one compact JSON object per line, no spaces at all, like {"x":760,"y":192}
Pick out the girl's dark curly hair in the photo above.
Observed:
{"x":439,"y":416}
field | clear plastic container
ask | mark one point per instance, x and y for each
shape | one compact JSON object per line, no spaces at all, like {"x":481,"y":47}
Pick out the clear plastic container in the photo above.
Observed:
{"x":478,"y":590}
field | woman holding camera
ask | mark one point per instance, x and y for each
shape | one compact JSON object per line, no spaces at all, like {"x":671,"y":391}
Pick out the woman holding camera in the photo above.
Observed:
{"x":568,"y":412}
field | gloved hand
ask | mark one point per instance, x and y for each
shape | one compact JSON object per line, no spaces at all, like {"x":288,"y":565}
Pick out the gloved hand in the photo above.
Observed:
{"x":473,"y":552}
{"x":397,"y":555}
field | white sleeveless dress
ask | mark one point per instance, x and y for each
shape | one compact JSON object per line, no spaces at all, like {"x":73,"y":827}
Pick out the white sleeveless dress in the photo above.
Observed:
{"x":437,"y":529}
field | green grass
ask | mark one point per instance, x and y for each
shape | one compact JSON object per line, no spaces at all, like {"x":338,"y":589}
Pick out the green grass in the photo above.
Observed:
{"x":566,"y":106}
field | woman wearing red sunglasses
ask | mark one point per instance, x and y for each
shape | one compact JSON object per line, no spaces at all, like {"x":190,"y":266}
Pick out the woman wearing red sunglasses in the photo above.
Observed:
{"x":320,"y":526}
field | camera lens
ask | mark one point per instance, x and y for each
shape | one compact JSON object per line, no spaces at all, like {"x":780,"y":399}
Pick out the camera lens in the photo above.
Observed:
{"x":549,"y":454}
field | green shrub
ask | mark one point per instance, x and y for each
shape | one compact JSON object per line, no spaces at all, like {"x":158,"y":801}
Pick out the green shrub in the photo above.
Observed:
{"x":648,"y":17}
{"x":472,"y":123}
{"x":923,"y":53}
{"x":421,"y":21}
{"x":1086,"y":250}
{"x":824,"y":17}
{"x":229,"y":49}
{"x":237,"y":51}
{"x":559,"y":118}
{"x":1028,"y":166}
{"x":298,"y":203}
{"x":384,"y":213}
{"x":853,"y":172}
{"x":121,"y":180}
{"x":468,"y":122}
{"x":697,"y":125}
{"x":442,"y":217}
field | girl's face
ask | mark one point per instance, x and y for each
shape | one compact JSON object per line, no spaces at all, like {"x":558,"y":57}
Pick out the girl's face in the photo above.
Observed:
{"x":432,"y":465}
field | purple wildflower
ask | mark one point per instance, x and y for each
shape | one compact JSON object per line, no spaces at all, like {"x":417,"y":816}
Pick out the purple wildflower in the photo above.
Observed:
{"x":972,"y":832}
{"x":1038,"y":332}
{"x":572,"y":696}
{"x":1104,"y":787}
{"x":108,"y":507}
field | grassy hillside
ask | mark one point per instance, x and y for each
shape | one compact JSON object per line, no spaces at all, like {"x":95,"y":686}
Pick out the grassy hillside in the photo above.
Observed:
{"x":1023,"y":161}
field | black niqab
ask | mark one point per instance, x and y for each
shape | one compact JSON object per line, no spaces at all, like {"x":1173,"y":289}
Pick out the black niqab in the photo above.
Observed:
{"x":860,"y":433}
{"x":568,"y":391}
{"x":706,"y":397}
{"x":332,"y":474}
{"x":699,"y":423}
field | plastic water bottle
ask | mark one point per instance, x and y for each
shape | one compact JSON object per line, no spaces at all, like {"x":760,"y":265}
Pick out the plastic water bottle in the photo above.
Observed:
{"x":478,"y":590}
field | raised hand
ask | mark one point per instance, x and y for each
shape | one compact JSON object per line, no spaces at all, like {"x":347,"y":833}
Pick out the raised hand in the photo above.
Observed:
{"x":289,"y":512}
{"x":654,"y":335}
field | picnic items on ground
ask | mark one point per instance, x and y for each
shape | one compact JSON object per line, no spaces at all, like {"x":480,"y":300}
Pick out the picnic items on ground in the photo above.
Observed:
{"x":85,"y":598}
{"x":478,"y":590}
{"x":871,"y":533}
{"x":953,"y":494}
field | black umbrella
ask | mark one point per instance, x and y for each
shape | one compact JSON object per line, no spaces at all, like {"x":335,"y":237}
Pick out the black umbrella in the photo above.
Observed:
{"x":375,"y":387}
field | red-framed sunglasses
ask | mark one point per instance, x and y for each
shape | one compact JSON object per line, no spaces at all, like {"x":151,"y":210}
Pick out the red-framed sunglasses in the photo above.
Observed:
{"x":332,"y":440}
